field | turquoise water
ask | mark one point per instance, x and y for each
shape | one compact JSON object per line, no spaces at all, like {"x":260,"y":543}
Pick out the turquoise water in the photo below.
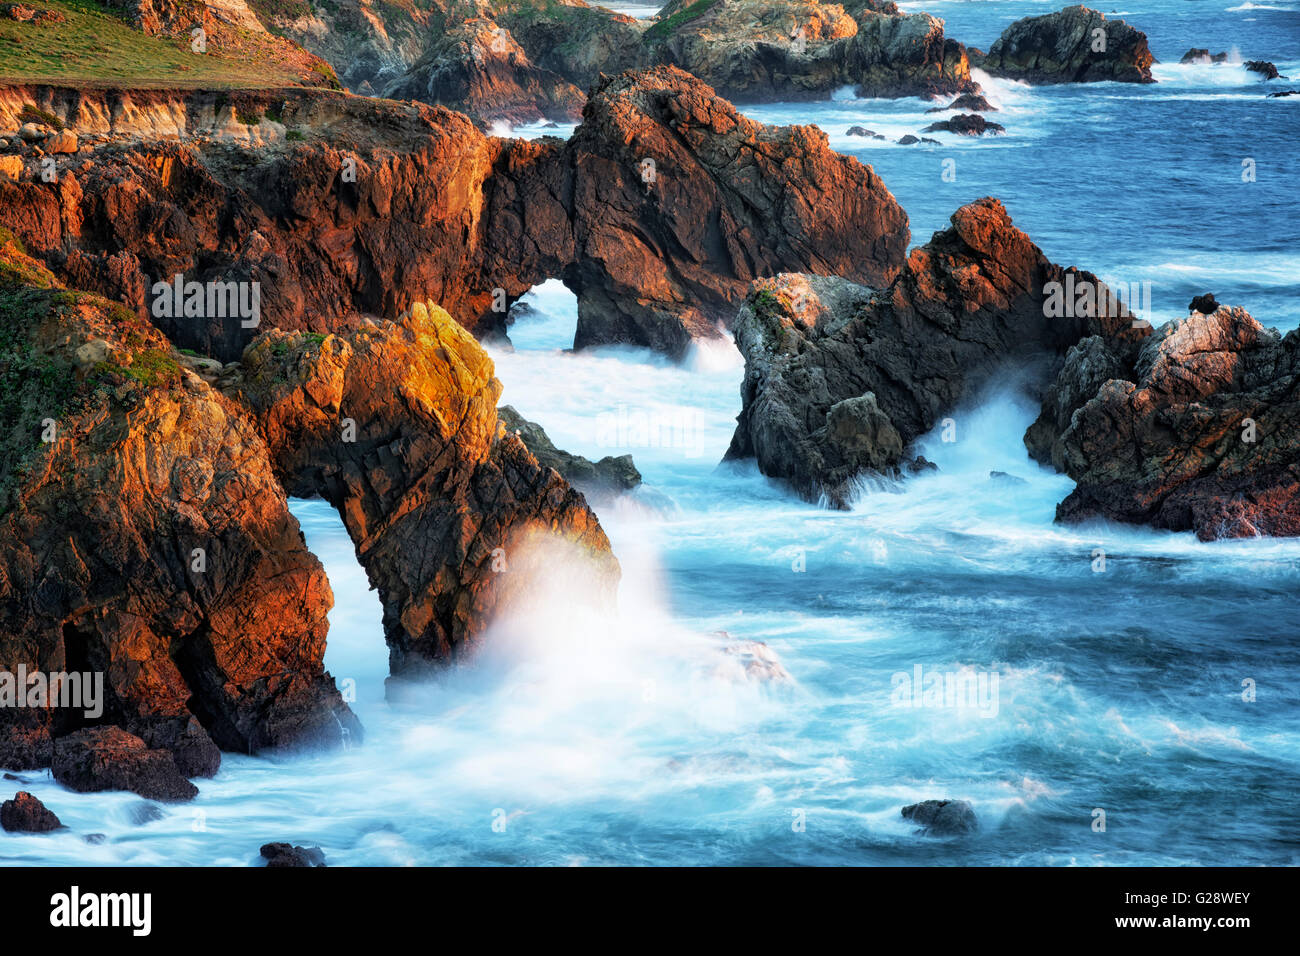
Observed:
{"x":632,"y":738}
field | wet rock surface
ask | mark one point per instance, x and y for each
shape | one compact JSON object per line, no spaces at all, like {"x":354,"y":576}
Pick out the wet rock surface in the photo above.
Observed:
{"x":26,"y":814}
{"x":943,"y":817}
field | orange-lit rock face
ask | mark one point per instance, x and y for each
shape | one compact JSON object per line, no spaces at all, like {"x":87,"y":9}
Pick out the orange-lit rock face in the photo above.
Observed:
{"x":396,"y":426}
{"x":149,"y":541}
{"x":384,"y":205}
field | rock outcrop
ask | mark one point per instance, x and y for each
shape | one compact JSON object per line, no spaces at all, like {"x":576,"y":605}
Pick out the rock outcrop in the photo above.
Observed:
{"x":396,"y":426}
{"x":25,"y":814}
{"x":966,"y":124}
{"x":144,"y":538}
{"x":717,"y":200}
{"x":1074,"y":45}
{"x":108,"y":758}
{"x":658,"y":213}
{"x":1196,"y":430}
{"x":479,"y":69}
{"x":597,"y":480}
{"x":841,"y":378}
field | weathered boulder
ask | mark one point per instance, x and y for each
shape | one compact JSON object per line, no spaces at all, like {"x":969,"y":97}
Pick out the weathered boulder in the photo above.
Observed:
{"x":395,"y":425}
{"x":1073,"y":45}
{"x":841,"y":378}
{"x":601,"y":479}
{"x":1198,"y":433}
{"x":108,"y":758}
{"x":25,"y":814}
{"x":144,"y":537}
{"x":943,"y":817}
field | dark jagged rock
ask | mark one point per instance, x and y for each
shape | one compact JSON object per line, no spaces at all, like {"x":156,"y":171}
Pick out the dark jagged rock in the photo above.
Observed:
{"x":1202,"y":55}
{"x":967,"y":124}
{"x":438,"y":211}
{"x":943,"y":817}
{"x":1284,"y":93}
{"x":146,"y":540}
{"x":1264,"y":69}
{"x":1088,"y":365}
{"x":1205,"y":304}
{"x":25,"y":814}
{"x":862,"y":131}
{"x":1065,"y":47}
{"x":967,"y":305}
{"x":974,"y":102}
{"x":286,"y":855}
{"x":108,"y":758}
{"x":396,"y":426}
{"x":478,"y":68}
{"x":602,"y":479}
{"x":1198,"y":432}
{"x":910,"y":140}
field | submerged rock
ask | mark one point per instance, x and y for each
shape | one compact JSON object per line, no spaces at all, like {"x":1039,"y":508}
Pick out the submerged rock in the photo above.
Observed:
{"x":26,"y":814}
{"x":602,"y":479}
{"x":943,"y":817}
{"x":108,"y":758}
{"x":841,"y":378}
{"x":1073,"y":45}
{"x":286,"y":855}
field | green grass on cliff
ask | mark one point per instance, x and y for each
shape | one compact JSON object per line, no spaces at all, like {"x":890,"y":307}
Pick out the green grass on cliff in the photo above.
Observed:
{"x":664,"y":28}
{"x":95,"y":47}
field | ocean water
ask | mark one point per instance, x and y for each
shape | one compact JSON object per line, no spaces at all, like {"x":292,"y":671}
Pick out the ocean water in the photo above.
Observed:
{"x":1141,"y":678}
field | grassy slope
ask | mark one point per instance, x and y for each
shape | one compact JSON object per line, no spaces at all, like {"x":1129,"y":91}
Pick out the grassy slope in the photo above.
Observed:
{"x":96,"y":48}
